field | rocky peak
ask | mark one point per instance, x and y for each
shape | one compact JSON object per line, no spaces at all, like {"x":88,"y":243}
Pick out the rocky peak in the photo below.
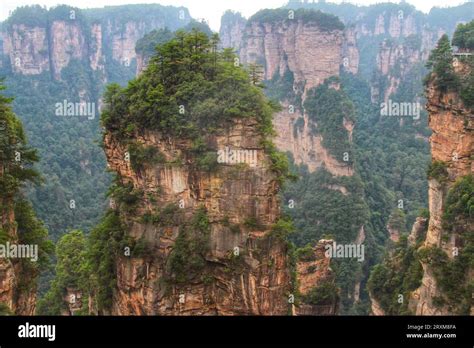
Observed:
{"x":232,"y":30}
{"x":313,"y":271}
{"x":212,"y":235}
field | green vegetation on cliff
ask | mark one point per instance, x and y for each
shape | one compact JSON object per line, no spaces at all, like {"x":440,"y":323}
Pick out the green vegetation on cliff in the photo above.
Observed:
{"x":171,"y":17}
{"x":438,"y":170}
{"x":147,"y":44}
{"x":17,"y":160}
{"x":187,"y":260}
{"x":324,"y":21}
{"x":32,"y":16}
{"x":86,"y":265}
{"x":392,"y":281}
{"x":71,"y":274}
{"x":191,"y":90}
{"x":459,"y":206}
{"x":230,"y":18}
{"x":442,"y":64}
{"x":330,"y":109}
{"x":463,"y":37}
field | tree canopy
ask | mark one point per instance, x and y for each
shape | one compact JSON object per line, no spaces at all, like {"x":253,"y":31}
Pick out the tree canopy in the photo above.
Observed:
{"x":464,"y":36}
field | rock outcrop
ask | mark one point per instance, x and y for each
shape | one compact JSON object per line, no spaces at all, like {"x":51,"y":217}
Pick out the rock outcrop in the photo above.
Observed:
{"x":20,"y":299}
{"x":246,"y":269}
{"x":312,"y":272}
{"x":213,"y":239}
{"x":394,"y":62}
{"x":32,"y":49}
{"x":231,"y":31}
{"x":452,"y":143}
{"x":418,"y":231}
{"x":27,"y":49}
{"x":311,"y":55}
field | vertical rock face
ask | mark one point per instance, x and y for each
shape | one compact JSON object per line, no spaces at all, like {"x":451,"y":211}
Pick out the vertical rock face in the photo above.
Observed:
{"x":27,"y":49}
{"x":96,"y":54}
{"x":304,"y":145}
{"x":394,"y":62}
{"x":67,"y":42}
{"x":418,"y":230}
{"x":313,"y":271}
{"x":350,"y":52}
{"x":404,"y":41}
{"x":376,"y":307}
{"x":246,"y":270}
{"x":123,"y":42}
{"x":231,"y":31}
{"x":311,"y":55}
{"x":32,"y":50}
{"x":21,"y":301}
{"x":452,"y":142}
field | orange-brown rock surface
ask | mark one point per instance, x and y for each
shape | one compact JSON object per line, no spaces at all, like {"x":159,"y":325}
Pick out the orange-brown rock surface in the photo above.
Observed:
{"x":453,"y":143}
{"x":255,"y":282}
{"x":20,"y":300}
{"x":312,"y":272}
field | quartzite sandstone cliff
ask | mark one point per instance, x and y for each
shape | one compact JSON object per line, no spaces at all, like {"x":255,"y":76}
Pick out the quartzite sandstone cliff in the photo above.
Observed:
{"x":256,"y":281}
{"x":452,"y":142}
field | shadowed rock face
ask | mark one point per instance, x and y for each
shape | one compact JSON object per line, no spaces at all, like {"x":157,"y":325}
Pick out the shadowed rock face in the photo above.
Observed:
{"x":256,"y":282}
{"x":453,"y":143}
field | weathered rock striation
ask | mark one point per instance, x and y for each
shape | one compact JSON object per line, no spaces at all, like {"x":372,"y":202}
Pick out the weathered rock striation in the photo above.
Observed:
{"x":34,"y":48}
{"x":311,"y":54}
{"x":256,"y":282}
{"x":452,"y":143}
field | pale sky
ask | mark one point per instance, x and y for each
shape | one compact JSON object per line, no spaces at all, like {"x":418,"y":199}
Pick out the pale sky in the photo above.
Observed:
{"x":211,"y":10}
